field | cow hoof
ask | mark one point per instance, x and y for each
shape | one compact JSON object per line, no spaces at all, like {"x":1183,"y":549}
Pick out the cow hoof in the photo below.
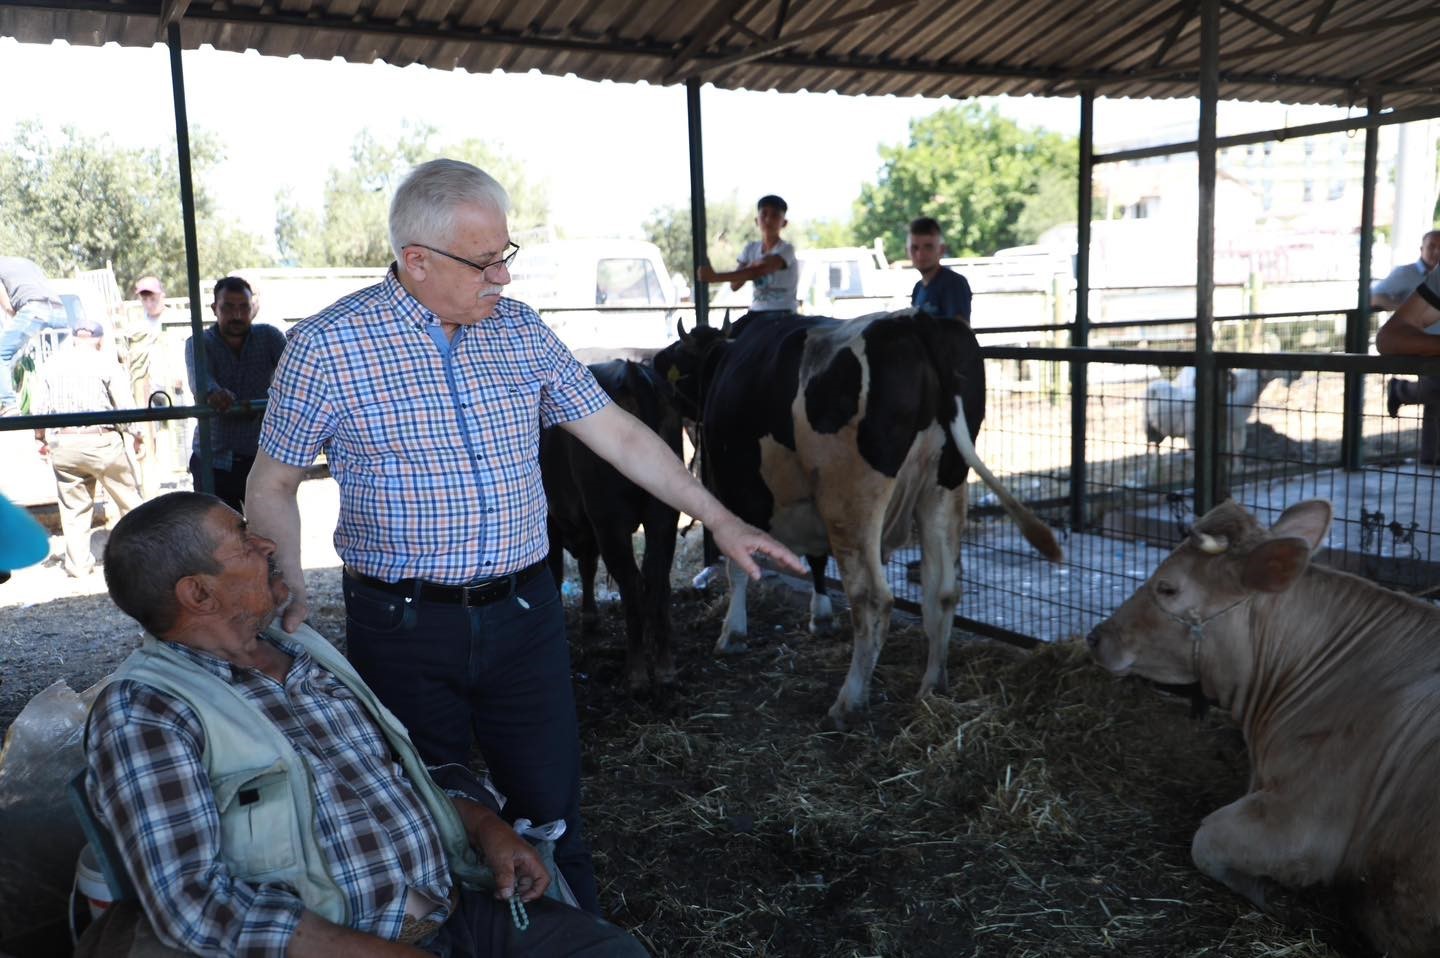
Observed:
{"x":834,"y":721}
{"x":823,"y":627}
{"x":731,"y":645}
{"x":665,"y":675}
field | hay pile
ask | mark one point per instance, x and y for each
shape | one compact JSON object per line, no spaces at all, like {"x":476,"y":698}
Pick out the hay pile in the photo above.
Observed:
{"x":1041,"y":808}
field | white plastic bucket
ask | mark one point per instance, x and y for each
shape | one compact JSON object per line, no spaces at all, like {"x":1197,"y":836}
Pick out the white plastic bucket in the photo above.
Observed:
{"x":90,"y":886}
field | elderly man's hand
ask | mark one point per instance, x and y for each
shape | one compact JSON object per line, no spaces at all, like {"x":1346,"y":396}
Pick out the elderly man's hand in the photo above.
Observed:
{"x":518,"y":868}
{"x":740,"y":541}
{"x":705,"y":274}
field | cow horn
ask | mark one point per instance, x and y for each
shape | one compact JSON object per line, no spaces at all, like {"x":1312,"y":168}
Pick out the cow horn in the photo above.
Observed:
{"x":1212,"y":545}
{"x":680,"y":329}
{"x":725,"y":326}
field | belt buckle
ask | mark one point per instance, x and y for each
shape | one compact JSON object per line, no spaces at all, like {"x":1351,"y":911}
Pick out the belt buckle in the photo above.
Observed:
{"x":479,"y":594}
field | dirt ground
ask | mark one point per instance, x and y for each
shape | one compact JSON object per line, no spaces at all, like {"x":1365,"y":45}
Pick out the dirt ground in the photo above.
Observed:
{"x":1039,"y":808}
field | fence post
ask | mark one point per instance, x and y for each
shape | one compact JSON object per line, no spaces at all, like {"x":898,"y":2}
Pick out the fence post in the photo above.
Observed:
{"x":1207,"y":380}
{"x":1080,"y":334}
{"x":1357,"y":321}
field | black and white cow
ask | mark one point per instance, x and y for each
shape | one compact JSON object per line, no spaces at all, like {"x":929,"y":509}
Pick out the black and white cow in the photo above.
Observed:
{"x":841,"y":438}
{"x":594,"y":510}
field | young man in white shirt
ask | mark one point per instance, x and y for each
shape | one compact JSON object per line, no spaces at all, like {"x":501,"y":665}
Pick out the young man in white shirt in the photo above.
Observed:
{"x":768,"y":263}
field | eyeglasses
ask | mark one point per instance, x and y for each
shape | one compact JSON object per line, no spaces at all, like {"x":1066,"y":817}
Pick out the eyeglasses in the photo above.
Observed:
{"x":506,"y":258}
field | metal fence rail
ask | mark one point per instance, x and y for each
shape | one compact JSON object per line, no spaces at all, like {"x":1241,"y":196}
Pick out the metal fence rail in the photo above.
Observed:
{"x":1137,"y":498}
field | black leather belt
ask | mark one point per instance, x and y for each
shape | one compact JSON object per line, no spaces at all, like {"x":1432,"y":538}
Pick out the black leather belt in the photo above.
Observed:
{"x":477,"y":593}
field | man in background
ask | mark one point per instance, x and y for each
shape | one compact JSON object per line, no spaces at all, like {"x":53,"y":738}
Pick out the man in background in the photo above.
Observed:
{"x":81,"y":377}
{"x":1401,"y":338}
{"x":1391,"y":291}
{"x":27,"y":305}
{"x":143,"y":352}
{"x":940,"y":291}
{"x":240,"y":357}
{"x":767,"y":263}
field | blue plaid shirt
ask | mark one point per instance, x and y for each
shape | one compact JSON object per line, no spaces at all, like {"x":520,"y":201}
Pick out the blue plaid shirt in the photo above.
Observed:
{"x":247,"y":375}
{"x":436,"y":453}
{"x":148,"y":783}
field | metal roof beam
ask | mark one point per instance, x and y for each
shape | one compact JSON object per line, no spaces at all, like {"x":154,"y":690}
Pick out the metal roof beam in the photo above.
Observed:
{"x":1063,"y":77}
{"x":1288,"y":46}
{"x":763,"y":50}
{"x":1186,"y":13}
{"x":171,"y":11}
{"x":1325,"y":7}
{"x":1234,"y":6}
{"x":314,"y":19}
{"x":1406,"y":115}
{"x":704,"y":33}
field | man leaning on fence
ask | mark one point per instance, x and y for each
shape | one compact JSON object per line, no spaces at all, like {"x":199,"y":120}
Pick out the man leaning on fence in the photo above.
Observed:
{"x":1414,"y":330}
{"x":240,"y":357}
{"x":261,"y":798}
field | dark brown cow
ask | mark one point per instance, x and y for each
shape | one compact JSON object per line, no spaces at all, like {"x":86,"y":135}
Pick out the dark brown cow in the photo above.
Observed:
{"x":1336,"y":685}
{"x":594,"y":510}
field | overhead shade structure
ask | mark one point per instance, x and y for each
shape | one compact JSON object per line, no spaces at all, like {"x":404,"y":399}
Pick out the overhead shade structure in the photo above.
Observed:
{"x":1337,"y":52}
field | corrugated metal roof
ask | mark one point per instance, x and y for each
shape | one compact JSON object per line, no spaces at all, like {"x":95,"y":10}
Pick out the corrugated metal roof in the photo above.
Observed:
{"x":1298,"y":51}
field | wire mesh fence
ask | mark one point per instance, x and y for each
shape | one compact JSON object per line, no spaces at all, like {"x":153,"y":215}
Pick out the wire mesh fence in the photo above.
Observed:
{"x":1280,"y":440}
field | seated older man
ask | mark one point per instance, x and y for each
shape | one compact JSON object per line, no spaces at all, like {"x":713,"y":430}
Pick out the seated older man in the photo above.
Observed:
{"x":262,"y":799}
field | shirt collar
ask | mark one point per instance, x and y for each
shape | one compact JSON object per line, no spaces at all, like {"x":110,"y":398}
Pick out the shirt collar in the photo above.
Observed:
{"x":226,"y":670}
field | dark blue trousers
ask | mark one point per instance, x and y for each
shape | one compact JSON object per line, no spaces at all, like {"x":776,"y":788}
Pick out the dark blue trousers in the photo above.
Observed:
{"x":496,"y":675}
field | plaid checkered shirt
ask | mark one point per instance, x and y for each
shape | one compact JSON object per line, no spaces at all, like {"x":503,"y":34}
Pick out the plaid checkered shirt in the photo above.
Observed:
{"x":247,"y":375}
{"x":436,"y":454}
{"x":148,"y":782}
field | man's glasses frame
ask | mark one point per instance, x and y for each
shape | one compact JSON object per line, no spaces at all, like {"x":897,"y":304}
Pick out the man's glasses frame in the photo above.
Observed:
{"x":507,"y":257}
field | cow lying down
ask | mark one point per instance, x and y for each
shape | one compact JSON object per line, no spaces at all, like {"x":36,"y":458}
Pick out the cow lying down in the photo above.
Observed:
{"x":844,"y":439}
{"x":1335,"y":683}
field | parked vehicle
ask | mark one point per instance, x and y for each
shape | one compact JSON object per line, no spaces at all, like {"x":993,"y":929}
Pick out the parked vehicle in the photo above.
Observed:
{"x":598,"y":294}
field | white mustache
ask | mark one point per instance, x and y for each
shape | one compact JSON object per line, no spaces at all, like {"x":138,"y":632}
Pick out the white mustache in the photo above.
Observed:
{"x":490,"y":291}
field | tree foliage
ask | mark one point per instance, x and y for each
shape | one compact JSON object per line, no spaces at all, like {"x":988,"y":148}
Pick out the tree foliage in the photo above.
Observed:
{"x":988,"y":181}
{"x":350,"y":227}
{"x":729,"y":225}
{"x":78,"y":202}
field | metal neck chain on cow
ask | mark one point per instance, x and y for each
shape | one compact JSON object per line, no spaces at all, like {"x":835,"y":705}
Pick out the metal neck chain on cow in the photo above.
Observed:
{"x":1196,"y":625}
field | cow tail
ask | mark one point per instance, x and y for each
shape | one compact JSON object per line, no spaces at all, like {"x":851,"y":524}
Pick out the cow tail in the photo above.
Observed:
{"x":1036,"y":532}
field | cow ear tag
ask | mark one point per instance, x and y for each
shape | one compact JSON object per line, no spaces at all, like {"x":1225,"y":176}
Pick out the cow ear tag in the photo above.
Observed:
{"x":673,"y":375}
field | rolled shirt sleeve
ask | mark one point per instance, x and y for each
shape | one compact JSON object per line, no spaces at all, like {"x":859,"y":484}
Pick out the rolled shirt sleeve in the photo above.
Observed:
{"x":300,"y":415}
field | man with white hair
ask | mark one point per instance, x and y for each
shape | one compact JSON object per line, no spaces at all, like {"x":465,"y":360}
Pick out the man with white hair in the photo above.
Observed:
{"x":427,"y":393}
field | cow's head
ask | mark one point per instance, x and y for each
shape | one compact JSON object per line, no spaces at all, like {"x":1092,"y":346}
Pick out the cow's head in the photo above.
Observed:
{"x":1199,"y":596}
{"x":682,"y":364}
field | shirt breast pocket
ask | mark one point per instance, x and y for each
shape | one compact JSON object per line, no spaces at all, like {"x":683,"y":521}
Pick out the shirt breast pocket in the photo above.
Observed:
{"x":258,"y":834}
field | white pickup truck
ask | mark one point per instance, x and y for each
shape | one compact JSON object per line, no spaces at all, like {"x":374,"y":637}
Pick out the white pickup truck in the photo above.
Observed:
{"x":598,"y":294}
{"x":843,"y":281}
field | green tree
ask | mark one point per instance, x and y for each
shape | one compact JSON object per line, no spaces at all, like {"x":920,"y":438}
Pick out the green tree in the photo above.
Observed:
{"x":79,"y":202}
{"x":978,"y":174}
{"x":350,"y":228}
{"x":822,"y":234}
{"x":729,"y":225}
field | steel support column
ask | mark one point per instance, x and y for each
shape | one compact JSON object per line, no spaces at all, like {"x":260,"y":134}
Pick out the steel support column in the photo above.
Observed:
{"x":698,"y":240}
{"x":205,"y":481}
{"x":1080,"y":334}
{"x":1357,"y":325}
{"x":1208,"y":396}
